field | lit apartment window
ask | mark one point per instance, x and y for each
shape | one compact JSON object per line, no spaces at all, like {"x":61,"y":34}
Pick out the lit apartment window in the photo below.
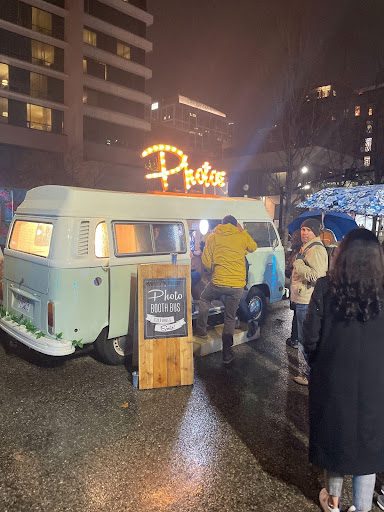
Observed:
{"x":369,"y":127}
{"x":42,"y":53}
{"x":3,"y":110}
{"x":368,"y":144}
{"x":41,"y":21}
{"x":323,"y":91}
{"x":370,"y":111}
{"x":89,"y":37}
{"x":367,"y":161}
{"x":123,"y":50}
{"x":357,"y":110}
{"x":85,"y":66}
{"x":39,"y":118}
{"x":85,"y":96}
{"x":39,"y":85}
{"x":4,"y":76}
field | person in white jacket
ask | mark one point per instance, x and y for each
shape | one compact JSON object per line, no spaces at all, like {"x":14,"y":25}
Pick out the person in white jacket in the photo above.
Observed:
{"x":311,"y":263}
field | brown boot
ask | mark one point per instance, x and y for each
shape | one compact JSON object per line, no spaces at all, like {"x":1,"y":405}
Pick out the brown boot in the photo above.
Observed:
{"x":228,"y":355}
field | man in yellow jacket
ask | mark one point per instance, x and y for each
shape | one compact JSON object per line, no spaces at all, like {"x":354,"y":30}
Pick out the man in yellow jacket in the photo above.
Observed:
{"x":224,"y":255}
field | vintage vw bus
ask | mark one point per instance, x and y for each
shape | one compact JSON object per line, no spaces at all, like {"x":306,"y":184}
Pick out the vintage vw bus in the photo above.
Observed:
{"x":70,"y":262}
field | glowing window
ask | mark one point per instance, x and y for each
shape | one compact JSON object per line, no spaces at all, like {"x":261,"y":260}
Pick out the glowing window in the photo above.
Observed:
{"x":3,"y":110}
{"x":369,"y":127}
{"x":41,"y":21}
{"x":370,"y":111}
{"x":89,"y":37}
{"x":131,"y":239}
{"x":4,"y":76}
{"x":39,"y":118}
{"x":368,"y":144}
{"x":357,"y":110}
{"x":42,"y":53}
{"x":122,"y":50}
{"x":323,"y":91}
{"x":367,"y":161}
{"x":31,"y":237}
{"x":85,"y":66}
{"x":101,"y":241}
{"x":39,"y":85}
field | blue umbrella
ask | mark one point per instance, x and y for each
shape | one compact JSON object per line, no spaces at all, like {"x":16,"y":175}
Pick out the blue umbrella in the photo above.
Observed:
{"x":364,"y":200}
{"x":339,"y":223}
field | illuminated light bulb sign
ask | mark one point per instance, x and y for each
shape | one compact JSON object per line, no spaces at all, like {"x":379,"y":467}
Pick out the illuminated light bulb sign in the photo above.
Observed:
{"x":204,"y":175}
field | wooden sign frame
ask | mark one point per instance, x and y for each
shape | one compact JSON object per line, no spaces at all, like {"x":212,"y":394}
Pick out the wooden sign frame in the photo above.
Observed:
{"x":165,"y":361}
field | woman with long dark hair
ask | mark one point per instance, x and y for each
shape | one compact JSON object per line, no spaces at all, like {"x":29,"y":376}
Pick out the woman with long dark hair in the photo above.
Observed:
{"x":344,"y":341}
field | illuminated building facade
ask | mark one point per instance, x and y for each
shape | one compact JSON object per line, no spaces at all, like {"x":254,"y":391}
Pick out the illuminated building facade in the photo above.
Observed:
{"x":198,"y":128}
{"x":72,"y":89}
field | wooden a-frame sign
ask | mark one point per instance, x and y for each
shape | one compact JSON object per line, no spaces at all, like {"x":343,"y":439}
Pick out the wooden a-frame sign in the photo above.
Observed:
{"x":164,"y":326}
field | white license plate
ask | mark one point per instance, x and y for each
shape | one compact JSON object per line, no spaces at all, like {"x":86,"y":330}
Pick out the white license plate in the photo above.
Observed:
{"x":24,"y":305}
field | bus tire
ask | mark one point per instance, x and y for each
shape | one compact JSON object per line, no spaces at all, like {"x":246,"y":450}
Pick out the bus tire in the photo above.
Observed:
{"x":257,"y":304}
{"x":110,"y":351}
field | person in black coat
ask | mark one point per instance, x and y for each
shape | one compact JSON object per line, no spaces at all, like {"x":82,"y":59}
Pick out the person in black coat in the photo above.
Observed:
{"x":344,"y":342}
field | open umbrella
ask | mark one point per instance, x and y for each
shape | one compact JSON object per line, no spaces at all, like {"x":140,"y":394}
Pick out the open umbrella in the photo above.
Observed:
{"x":339,"y":223}
{"x":366,"y":200}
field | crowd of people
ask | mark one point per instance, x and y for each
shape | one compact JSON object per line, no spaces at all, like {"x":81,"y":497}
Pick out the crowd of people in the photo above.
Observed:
{"x":338,"y":327}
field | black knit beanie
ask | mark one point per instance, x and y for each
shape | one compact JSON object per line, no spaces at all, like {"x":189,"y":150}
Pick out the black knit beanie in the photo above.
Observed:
{"x":313,"y":224}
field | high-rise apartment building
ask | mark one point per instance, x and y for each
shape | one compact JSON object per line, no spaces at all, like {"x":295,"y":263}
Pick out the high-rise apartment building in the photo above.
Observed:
{"x":72,"y":90}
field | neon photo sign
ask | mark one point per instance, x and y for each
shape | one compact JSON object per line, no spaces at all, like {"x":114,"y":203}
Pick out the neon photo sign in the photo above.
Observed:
{"x":205,"y":175}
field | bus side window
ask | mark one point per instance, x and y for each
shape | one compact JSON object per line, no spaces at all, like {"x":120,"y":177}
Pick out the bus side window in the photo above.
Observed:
{"x":101,"y":241}
{"x":259,"y":231}
{"x":169,"y":237}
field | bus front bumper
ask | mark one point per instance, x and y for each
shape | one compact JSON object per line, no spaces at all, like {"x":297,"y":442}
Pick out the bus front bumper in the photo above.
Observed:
{"x":45,"y":345}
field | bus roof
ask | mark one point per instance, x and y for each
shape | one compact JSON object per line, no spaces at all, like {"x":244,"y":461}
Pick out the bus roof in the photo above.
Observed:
{"x":61,"y":201}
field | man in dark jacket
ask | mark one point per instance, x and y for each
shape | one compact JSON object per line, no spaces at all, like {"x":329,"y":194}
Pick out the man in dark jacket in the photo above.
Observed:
{"x":343,"y":337}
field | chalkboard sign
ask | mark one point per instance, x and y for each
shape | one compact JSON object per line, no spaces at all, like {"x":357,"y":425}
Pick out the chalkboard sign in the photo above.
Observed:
{"x":165,"y":308}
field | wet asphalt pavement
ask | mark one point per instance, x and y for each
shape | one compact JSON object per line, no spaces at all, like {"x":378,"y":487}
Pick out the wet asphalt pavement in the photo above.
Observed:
{"x":76,"y":436}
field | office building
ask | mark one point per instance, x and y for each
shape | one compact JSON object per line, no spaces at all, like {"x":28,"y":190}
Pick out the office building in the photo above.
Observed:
{"x":197,"y":128}
{"x":72,"y":91}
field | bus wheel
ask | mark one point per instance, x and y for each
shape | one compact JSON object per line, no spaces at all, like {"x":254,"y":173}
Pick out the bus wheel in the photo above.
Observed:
{"x":257,"y":305}
{"x":111,"y":351}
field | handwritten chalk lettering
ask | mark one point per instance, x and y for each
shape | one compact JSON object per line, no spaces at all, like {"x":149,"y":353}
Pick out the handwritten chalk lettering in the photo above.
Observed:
{"x":160,"y":319}
{"x":165,"y":303}
{"x":164,"y":295}
{"x":170,"y":327}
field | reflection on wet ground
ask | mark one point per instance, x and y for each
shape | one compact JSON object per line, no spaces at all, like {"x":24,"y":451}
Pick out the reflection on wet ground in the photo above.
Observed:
{"x":76,"y":436}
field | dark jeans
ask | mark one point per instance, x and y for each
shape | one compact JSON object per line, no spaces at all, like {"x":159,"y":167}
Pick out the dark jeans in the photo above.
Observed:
{"x":231,"y":298}
{"x":294,"y":333}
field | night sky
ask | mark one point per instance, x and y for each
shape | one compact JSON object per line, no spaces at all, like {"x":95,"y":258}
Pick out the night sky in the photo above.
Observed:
{"x":230,"y":55}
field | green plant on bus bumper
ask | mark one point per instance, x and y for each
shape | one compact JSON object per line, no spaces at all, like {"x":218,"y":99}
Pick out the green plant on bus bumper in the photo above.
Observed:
{"x":31,"y":328}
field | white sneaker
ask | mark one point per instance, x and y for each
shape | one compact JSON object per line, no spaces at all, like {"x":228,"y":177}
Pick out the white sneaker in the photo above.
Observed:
{"x":323,"y":499}
{"x":301,"y":379}
{"x":352,"y":508}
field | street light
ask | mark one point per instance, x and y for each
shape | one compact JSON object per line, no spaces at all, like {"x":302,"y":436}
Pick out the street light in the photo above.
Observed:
{"x":304,"y":169}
